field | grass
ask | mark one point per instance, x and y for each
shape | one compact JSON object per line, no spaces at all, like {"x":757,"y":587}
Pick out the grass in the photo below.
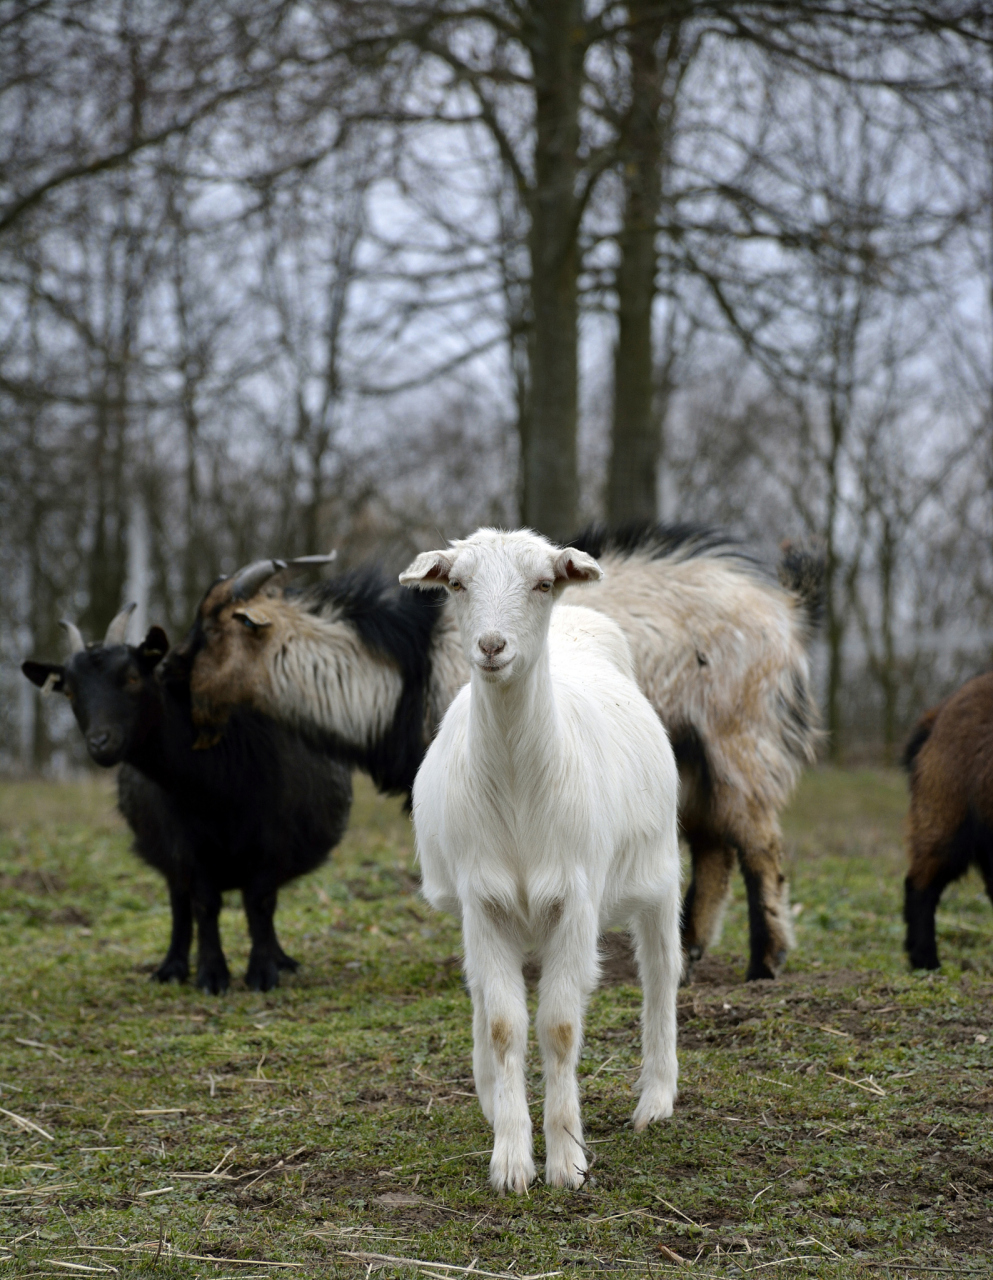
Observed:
{"x":834,"y":1123}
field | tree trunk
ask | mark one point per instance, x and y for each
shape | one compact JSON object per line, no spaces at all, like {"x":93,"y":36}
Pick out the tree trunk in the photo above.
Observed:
{"x":834,"y":608}
{"x":556,"y":37}
{"x":635,"y":444}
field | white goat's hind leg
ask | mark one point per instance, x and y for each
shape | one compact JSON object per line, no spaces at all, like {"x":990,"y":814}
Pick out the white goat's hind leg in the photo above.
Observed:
{"x":483,"y":1066}
{"x":569,"y":974}
{"x":659,"y":954}
{"x":495,"y":964}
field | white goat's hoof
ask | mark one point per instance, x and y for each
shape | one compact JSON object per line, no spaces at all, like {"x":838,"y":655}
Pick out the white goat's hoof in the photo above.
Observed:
{"x":567,"y":1171}
{"x":510,"y":1171}
{"x":655,"y":1104}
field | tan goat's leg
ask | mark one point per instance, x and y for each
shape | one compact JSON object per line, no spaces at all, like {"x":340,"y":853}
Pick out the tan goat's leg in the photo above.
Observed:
{"x":706,"y":898}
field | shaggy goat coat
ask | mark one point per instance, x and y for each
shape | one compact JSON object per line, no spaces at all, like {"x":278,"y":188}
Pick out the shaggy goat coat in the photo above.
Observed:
{"x":718,"y":650}
{"x":545,"y":813}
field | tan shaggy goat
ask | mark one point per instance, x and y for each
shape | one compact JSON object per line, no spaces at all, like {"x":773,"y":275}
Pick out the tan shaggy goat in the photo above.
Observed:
{"x":719,"y":650}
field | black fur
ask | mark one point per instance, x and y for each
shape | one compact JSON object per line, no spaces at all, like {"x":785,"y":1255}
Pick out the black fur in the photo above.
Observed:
{"x":802,"y":572}
{"x":920,"y":734}
{"x":971,"y":843}
{"x":758,"y":928}
{"x":251,"y":813}
{"x":691,"y":754}
{"x":660,"y":541}
{"x":399,"y":625}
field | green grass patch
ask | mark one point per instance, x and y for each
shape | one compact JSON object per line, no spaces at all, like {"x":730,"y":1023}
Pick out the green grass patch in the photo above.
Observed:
{"x":834,"y":1123}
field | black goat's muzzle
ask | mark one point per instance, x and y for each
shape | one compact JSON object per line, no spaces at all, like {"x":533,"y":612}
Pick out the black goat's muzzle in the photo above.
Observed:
{"x":105,"y":747}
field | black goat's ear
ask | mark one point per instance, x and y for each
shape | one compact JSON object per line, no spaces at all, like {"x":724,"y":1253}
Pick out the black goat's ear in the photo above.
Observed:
{"x":48,"y":676}
{"x":153,"y":648}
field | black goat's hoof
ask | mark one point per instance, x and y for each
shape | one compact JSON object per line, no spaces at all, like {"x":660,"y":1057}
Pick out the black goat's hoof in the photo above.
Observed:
{"x":172,"y":971}
{"x":924,"y":962}
{"x":214,"y":979}
{"x":283,"y":961}
{"x":759,"y":971}
{"x":262,"y":975}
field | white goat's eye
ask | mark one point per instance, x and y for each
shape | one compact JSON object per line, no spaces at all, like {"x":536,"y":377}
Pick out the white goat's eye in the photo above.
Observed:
{"x":455,"y":586}
{"x":545,"y":586}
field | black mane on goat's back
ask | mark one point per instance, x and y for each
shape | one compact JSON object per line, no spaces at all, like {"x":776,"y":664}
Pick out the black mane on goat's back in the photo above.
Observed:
{"x":389,"y":619}
{"x":660,"y":541}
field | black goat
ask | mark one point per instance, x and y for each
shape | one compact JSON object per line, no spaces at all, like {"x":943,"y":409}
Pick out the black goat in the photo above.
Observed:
{"x":252,"y":813}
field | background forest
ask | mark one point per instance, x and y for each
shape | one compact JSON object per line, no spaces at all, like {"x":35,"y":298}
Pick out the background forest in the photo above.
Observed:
{"x":281,"y":276}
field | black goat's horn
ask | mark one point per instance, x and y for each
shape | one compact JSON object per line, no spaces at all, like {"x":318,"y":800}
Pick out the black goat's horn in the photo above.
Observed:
{"x":76,"y":642}
{"x":247,"y":581}
{"x":118,"y":630}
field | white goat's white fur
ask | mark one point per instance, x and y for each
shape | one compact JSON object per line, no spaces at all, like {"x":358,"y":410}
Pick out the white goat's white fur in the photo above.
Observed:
{"x":545,"y":812}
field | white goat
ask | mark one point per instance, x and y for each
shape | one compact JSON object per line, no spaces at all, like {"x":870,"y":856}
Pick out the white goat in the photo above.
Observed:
{"x":545,"y":812}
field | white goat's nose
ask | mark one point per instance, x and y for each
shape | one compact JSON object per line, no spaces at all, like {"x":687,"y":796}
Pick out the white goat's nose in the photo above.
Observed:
{"x":492,"y":643}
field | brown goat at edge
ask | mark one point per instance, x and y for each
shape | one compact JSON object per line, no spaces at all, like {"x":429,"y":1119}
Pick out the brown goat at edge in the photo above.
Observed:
{"x":950,"y":761}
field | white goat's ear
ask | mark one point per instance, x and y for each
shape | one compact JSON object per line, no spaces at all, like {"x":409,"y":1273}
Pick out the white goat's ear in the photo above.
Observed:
{"x":430,"y":569}
{"x":575,"y":566}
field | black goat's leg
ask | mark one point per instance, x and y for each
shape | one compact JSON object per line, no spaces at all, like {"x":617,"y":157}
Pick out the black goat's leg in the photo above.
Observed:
{"x":213,"y":975}
{"x":267,"y":956}
{"x":176,"y":965}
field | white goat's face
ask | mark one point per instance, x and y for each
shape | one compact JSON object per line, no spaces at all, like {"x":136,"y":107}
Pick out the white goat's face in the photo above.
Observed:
{"x":503,"y":586}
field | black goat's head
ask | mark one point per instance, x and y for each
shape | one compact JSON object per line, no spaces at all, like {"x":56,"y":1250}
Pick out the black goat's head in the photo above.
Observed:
{"x":110,"y":687}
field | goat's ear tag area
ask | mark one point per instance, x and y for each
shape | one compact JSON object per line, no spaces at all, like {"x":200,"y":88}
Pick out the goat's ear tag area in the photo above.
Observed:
{"x":48,"y":676}
{"x":430,"y":569}
{"x":576,"y":566}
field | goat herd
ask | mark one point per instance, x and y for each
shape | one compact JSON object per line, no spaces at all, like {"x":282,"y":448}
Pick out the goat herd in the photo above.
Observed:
{"x":518,"y":696}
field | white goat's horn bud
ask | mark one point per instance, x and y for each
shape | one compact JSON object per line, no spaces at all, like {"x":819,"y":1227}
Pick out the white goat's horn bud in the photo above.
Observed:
{"x":247,"y":581}
{"x":118,"y":630}
{"x":76,"y":642}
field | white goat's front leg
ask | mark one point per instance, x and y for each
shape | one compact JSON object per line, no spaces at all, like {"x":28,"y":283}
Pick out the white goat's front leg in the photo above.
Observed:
{"x":570,"y":969}
{"x":495,"y":968}
{"x":660,"y":959}
{"x":483,"y":1063}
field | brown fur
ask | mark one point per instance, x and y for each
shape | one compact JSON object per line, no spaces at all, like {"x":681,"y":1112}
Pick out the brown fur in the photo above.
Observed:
{"x":561,"y":1039}
{"x":950,"y":824}
{"x":500,"y":1036}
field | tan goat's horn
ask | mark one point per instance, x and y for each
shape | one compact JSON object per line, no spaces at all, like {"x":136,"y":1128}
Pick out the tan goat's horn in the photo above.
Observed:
{"x":118,"y":630}
{"x":303,"y":561}
{"x":247,"y":581}
{"x":76,"y":642}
